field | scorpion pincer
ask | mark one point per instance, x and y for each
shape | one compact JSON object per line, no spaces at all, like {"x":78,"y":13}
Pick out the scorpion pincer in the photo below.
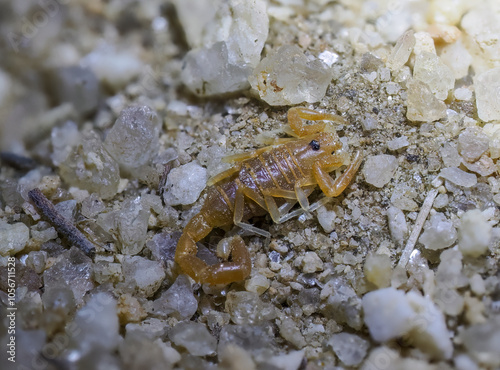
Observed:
{"x":268,"y":180}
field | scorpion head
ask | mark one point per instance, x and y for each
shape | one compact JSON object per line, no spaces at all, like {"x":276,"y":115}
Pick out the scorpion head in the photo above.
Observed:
{"x":319,"y":147}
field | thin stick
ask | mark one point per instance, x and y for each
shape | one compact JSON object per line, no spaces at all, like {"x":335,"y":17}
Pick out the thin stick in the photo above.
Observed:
{"x":64,"y":227}
{"x":417,"y":228}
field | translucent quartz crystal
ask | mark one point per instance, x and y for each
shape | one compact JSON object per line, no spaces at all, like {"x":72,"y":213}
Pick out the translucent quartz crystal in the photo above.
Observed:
{"x":74,"y":270}
{"x":133,"y":139}
{"x":89,"y":166}
{"x":349,"y":348}
{"x":487,"y":86}
{"x":422,"y":104}
{"x":129,"y":224}
{"x":379,"y":169}
{"x":439,"y":232}
{"x":286,"y":76}
{"x":472,"y":144}
{"x":13,"y":238}
{"x":432,"y":71}
{"x":95,"y":326}
{"x":178,"y":301}
{"x":142,"y":276}
{"x":195,"y":337}
{"x":184,"y":184}
{"x":402,"y":50}
{"x":474,"y":233}
{"x":226,"y":43}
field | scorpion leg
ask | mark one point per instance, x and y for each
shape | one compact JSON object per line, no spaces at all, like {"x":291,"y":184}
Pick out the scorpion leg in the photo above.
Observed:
{"x":239,"y":207}
{"x":330,"y":187}
{"x":297,"y":115}
{"x":220,"y":273}
{"x":223,"y":174}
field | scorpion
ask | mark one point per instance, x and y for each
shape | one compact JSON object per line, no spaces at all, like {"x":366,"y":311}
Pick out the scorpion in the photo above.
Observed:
{"x":268,"y":180}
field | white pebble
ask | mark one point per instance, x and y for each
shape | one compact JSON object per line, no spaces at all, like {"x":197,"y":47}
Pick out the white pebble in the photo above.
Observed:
{"x":487,"y":86}
{"x":398,"y":143}
{"x":311,"y":263}
{"x":458,"y":177}
{"x":474,"y":233}
{"x":380,"y":169}
{"x":13,"y":238}
{"x":397,"y":224}
{"x":185,"y":184}
{"x":439,"y":232}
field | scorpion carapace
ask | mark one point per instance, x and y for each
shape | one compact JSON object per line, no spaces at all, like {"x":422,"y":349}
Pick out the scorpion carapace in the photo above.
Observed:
{"x":269,"y":180}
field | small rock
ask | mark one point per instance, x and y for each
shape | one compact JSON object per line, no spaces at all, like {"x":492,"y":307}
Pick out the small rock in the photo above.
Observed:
{"x":142,"y":276}
{"x":287,"y":77}
{"x":257,"y":283}
{"x":380,"y":169}
{"x":95,"y":326}
{"x":397,"y":224}
{"x":89,"y":166}
{"x":349,"y":348}
{"x":235,"y":357}
{"x":474,"y":233}
{"x":185,"y":184}
{"x":457,"y":58}
{"x":342,"y":303}
{"x":398,"y":143}
{"x":387,"y":314}
{"x":378,"y":270}
{"x":311,"y":263}
{"x":463,"y":93}
{"x":401,"y":51}
{"x":133,"y":139}
{"x":458,"y":177}
{"x":472,"y":144}
{"x":439,"y":232}
{"x":178,"y":300}
{"x":248,"y":308}
{"x":290,"y":332}
{"x":13,"y":238}
{"x":290,"y":361}
{"x":430,"y":70}
{"x":326,"y":218}
{"x":130,"y":309}
{"x":482,"y":342}
{"x":422,"y":104}
{"x":195,"y":337}
{"x":449,"y":155}
{"x":487,"y":85}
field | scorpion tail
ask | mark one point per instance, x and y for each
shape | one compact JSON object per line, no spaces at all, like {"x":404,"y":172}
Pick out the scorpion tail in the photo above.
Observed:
{"x":221,"y":273}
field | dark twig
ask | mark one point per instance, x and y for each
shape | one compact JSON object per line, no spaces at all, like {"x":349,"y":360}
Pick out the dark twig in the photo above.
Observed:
{"x":18,"y":161}
{"x":64,"y":227}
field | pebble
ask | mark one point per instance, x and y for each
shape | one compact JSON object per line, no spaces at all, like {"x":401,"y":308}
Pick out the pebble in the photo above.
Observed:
{"x":472,"y":144}
{"x":463,"y":93}
{"x":311,"y":263}
{"x":457,"y":58}
{"x":402,"y":50}
{"x":458,"y":177}
{"x":96,"y":326}
{"x":439,"y":232}
{"x":423,"y":106}
{"x":230,"y":47}
{"x":482,"y":342}
{"x":142,"y":276}
{"x":398,"y":143}
{"x":13,"y":237}
{"x":89,"y":166}
{"x":487,"y":86}
{"x":397,"y":224}
{"x":326,"y":218}
{"x":178,"y":300}
{"x":133,"y":139}
{"x":350,"y":348}
{"x":194,"y":337}
{"x":430,"y":70}
{"x":290,"y":361}
{"x":474,"y":233}
{"x":380,"y":169}
{"x":378,"y":270}
{"x":290,"y":332}
{"x":287,"y":77}
{"x":257,"y":283}
{"x":388,"y":314}
{"x":185,"y":184}
{"x":248,"y":308}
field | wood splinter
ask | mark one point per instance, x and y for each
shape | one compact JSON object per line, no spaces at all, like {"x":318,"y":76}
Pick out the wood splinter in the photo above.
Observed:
{"x":64,"y":227}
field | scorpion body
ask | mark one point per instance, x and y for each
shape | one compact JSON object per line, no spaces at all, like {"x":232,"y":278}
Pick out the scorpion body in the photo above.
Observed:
{"x":269,"y":180}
